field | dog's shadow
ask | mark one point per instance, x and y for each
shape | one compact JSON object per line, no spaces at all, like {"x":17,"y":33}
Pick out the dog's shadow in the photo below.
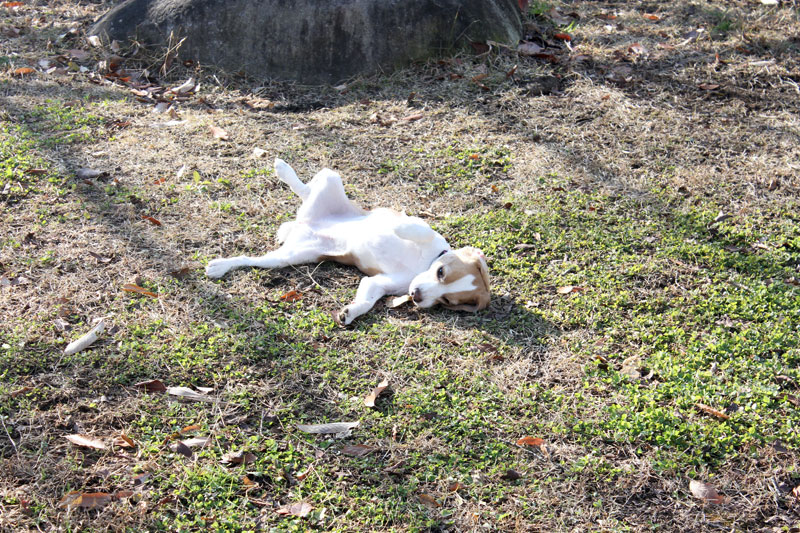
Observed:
{"x":504,"y":321}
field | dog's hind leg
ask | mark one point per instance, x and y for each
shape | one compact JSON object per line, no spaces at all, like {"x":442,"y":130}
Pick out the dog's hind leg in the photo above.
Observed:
{"x":287,"y":175}
{"x":282,"y":257}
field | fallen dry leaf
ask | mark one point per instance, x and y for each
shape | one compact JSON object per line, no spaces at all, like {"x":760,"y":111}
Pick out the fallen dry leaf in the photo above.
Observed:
{"x":85,"y":442}
{"x":152,"y":220}
{"x":705,"y":492}
{"x":300,"y":509}
{"x":711,"y":411}
{"x":123,"y":441}
{"x":529,"y":49}
{"x":530,"y":441}
{"x":650,"y":16}
{"x":412,"y":118}
{"x":292,"y":296}
{"x":85,"y":500}
{"x":369,"y":400}
{"x":196,"y":442}
{"x":87,"y":173}
{"x":238,"y":458}
{"x":708,"y":86}
{"x":218,"y":133}
{"x":130,"y":287}
{"x":455,"y":487}
{"x":358,"y":450}
{"x":568,"y":289}
{"x":563,"y":36}
{"x":189,"y":394}
{"x":182,"y":449}
{"x":23,"y":71}
{"x":427,"y":499}
{"x":511,"y":475}
{"x":153,"y":385}
{"x":398,"y":301}
{"x":324,"y":429}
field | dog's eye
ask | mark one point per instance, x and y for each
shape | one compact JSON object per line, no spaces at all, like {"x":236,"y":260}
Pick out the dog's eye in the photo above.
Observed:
{"x":440,"y":273}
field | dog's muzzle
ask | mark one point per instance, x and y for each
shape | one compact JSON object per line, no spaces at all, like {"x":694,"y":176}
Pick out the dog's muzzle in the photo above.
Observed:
{"x":416,"y":295}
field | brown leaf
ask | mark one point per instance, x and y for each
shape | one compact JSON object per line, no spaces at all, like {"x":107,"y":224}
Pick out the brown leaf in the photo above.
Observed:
{"x":300,"y":509}
{"x":637,"y":49}
{"x":427,"y":499}
{"x":123,"y":441}
{"x":86,"y":442}
{"x":153,"y":385}
{"x":358,"y":450}
{"x":796,"y":492}
{"x":130,"y":287}
{"x":547,"y":57}
{"x":369,"y":400}
{"x":704,"y":491}
{"x":100,"y":258}
{"x":152,"y":220}
{"x":292,"y":296}
{"x":711,"y":411}
{"x":18,"y":392}
{"x":85,"y":500}
{"x":523,"y":5}
{"x":455,"y":487}
{"x":180,"y":273}
{"x":36,"y":171}
{"x":708,"y":86}
{"x":23,"y":71}
{"x":563,"y":36}
{"x":567,"y":289}
{"x":182,"y":449}
{"x":218,"y":133}
{"x":11,"y":5}
{"x":650,"y":16}
{"x":530,"y":441}
{"x":412,"y":118}
{"x":238,"y":458}
{"x":511,"y":475}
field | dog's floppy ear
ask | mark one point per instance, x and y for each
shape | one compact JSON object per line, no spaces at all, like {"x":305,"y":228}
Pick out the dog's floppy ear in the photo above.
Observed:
{"x":480,"y":261}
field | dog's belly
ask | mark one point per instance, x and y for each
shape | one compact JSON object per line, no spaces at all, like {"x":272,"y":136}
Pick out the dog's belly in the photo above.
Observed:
{"x":370,"y":244}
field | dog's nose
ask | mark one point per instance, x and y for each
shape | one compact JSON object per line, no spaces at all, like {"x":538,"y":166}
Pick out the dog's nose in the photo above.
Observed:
{"x":416,"y":295}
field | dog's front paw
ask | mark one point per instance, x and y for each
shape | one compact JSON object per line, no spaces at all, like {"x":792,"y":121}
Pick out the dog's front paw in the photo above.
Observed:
{"x":217,"y":268}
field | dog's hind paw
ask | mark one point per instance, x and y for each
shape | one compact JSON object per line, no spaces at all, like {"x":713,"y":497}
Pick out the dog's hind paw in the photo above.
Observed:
{"x":217,"y":268}
{"x":342,"y":317}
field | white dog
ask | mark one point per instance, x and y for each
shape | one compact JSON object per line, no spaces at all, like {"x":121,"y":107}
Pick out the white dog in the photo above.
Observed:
{"x":399,"y":254}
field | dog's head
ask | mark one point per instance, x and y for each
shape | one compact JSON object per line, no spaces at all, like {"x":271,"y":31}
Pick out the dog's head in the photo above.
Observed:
{"x":458,"y":280}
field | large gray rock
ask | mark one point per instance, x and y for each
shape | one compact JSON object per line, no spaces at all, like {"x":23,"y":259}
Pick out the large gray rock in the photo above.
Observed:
{"x":312,"y":41}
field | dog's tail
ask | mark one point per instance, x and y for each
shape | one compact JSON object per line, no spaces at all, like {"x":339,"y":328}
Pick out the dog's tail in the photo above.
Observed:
{"x":287,"y":175}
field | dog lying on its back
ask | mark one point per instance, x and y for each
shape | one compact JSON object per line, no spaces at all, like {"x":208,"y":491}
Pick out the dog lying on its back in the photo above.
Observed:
{"x":398,"y":253}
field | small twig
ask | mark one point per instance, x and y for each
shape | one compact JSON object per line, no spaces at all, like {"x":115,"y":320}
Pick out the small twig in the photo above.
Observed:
{"x":13,"y":444}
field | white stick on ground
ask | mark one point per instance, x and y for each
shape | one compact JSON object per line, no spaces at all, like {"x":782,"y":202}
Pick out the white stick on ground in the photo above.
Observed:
{"x":85,"y":341}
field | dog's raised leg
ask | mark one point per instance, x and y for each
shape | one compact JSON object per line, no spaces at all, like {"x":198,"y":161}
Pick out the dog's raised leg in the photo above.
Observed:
{"x":282,"y":257}
{"x":370,"y":290}
{"x":287,"y":175}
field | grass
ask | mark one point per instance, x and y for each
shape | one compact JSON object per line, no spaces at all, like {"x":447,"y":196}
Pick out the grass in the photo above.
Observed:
{"x":673,"y":356}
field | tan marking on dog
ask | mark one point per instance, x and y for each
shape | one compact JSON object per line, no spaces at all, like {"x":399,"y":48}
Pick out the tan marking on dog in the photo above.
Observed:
{"x":458,"y":264}
{"x":352,"y":260}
